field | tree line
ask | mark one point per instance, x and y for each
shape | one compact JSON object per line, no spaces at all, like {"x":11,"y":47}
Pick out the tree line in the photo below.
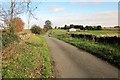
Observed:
{"x":81,"y":27}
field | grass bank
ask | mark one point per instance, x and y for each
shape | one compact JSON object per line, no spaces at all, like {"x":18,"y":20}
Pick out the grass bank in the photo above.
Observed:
{"x":28,"y":59}
{"x":93,"y":32}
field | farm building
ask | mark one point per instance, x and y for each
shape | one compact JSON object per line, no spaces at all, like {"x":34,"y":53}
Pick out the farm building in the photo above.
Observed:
{"x":72,"y":30}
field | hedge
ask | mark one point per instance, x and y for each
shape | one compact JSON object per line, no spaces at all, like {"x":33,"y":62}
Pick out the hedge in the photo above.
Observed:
{"x":105,"y":39}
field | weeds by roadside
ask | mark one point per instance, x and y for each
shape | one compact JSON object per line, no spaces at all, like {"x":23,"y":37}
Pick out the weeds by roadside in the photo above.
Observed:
{"x":30,"y":59}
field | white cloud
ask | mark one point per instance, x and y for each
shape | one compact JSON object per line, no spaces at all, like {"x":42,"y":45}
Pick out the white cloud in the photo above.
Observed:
{"x":34,"y":22}
{"x":57,"y":8}
{"x":108,"y":18}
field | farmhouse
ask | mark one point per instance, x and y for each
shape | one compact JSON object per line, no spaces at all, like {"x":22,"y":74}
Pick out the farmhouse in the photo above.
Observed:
{"x":72,"y":30}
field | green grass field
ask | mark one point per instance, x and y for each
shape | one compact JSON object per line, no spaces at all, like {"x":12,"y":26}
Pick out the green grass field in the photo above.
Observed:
{"x":100,"y":32}
{"x":94,"y":32}
{"x":29,"y":59}
{"x":57,"y":32}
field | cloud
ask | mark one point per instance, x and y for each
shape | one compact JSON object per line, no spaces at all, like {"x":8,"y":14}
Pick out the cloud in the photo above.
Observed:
{"x":108,"y":18}
{"x":55,"y":8}
{"x":34,"y":22}
{"x":105,"y":19}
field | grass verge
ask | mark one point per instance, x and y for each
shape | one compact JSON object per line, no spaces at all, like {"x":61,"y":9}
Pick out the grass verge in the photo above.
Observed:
{"x":29,"y":59}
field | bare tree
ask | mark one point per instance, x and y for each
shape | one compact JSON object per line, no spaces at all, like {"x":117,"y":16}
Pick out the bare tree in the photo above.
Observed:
{"x":30,"y":10}
{"x":15,"y":8}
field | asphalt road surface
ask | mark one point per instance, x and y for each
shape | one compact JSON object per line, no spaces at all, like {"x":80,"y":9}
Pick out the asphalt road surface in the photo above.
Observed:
{"x":71,"y":62}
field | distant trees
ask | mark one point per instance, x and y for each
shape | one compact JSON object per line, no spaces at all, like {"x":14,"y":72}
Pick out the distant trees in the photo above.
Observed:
{"x":66,"y":27}
{"x":93,"y":27}
{"x":81,"y":27}
{"x":99,"y":27}
{"x":59,"y":28}
{"x":55,"y":27}
{"x":117,"y":27}
{"x":88,"y":28}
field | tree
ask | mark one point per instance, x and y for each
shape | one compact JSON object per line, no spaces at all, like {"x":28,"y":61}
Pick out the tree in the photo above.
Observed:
{"x":14,"y":9}
{"x":66,"y":27}
{"x":81,"y":27}
{"x":30,"y":10}
{"x":71,"y":26}
{"x":55,"y":27}
{"x":88,"y":27}
{"x":58,"y":27}
{"x":99,"y":27}
{"x":36,"y":29}
{"x":61,"y":28}
{"x":47,"y":25}
{"x":16,"y":24}
{"x":117,"y":27}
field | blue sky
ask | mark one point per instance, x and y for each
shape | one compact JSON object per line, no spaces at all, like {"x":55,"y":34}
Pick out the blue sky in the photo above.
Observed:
{"x":85,"y":13}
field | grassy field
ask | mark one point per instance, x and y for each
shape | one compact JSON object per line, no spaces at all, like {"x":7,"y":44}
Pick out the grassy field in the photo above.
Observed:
{"x":108,"y":52}
{"x":100,"y":32}
{"x":94,"y":32}
{"x":57,"y":32}
{"x":28,"y":59}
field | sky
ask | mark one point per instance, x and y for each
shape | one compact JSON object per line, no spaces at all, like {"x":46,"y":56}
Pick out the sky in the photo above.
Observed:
{"x":99,"y":12}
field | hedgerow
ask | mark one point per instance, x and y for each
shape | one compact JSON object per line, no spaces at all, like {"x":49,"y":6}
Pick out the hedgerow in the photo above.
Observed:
{"x":104,"y":39}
